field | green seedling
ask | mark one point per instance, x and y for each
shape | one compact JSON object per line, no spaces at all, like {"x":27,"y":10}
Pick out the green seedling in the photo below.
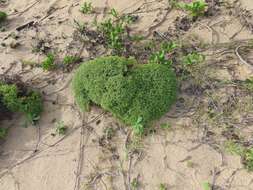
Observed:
{"x":61,"y":128}
{"x":29,"y":103}
{"x":234,"y":148}
{"x":195,"y":8}
{"x":135,"y":184}
{"x":114,"y":13}
{"x":138,"y":127}
{"x":49,"y":63}
{"x":193,"y":58}
{"x":68,"y":60}
{"x":3,"y":16}
{"x":162,"y":56}
{"x":162,"y":186}
{"x":248,"y":159}
{"x":165,"y":126}
{"x":249,"y":84}
{"x":206,"y":186}
{"x":3,"y":132}
{"x":86,"y":8}
{"x":113,"y":32}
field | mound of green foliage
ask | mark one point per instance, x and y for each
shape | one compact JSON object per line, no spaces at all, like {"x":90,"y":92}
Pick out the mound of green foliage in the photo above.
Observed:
{"x":130,"y":91}
{"x":25,"y":101}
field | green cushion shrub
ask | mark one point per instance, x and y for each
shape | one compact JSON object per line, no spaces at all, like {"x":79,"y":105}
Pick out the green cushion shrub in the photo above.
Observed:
{"x":128,"y":90}
{"x":24,"y":101}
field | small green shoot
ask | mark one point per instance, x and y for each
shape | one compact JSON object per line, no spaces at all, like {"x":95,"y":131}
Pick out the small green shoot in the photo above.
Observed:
{"x":248,"y":83}
{"x":3,"y":132}
{"x":193,"y":58}
{"x":234,"y":148}
{"x":248,"y":159}
{"x":49,"y":63}
{"x":138,"y":128}
{"x":68,"y":60}
{"x":61,"y":128}
{"x":86,"y":8}
{"x":206,"y":186}
{"x":3,"y":16}
{"x":165,"y":126}
{"x":196,"y":8}
{"x":162,"y":56}
{"x":135,"y":184}
{"x":162,"y":186}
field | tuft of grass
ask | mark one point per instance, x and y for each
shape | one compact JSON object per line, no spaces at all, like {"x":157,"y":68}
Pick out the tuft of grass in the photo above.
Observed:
{"x":49,"y":63}
{"x":249,"y":84}
{"x":128,"y":90}
{"x":3,"y":16}
{"x":29,"y":103}
{"x":245,"y":153}
{"x":86,"y":8}
{"x":69,"y":59}
{"x":234,"y":148}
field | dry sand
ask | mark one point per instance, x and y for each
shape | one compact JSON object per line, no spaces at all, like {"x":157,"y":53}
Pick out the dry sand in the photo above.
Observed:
{"x":32,"y":159}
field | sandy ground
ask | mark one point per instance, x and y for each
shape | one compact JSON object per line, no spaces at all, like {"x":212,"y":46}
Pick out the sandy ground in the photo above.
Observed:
{"x":31,"y":158}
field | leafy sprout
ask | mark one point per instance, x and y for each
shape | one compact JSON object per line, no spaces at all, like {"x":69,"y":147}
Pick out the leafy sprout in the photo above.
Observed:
{"x":61,"y":128}
{"x":3,"y":132}
{"x":49,"y":63}
{"x":193,"y":58}
{"x":138,"y":127}
{"x":86,"y":8}
{"x":162,"y":56}
{"x":196,"y":8}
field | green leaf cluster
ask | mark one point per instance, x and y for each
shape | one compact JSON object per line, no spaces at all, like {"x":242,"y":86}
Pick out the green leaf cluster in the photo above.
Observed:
{"x":15,"y":100}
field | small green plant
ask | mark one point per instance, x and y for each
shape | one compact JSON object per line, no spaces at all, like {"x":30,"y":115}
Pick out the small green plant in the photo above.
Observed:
{"x":249,"y":84}
{"x":245,"y":153}
{"x":196,"y":8}
{"x":162,"y":186}
{"x":135,"y":184}
{"x":206,"y":186}
{"x":138,"y":127}
{"x":61,"y":128}
{"x":86,"y":8}
{"x":234,"y":148}
{"x":248,"y":159}
{"x":68,"y":60}
{"x":27,"y":102}
{"x":162,"y":56}
{"x":114,"y":30}
{"x":193,"y":58}
{"x":109,"y":133}
{"x":165,"y":126}
{"x":49,"y":63}
{"x":3,"y":132}
{"x":3,"y":16}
